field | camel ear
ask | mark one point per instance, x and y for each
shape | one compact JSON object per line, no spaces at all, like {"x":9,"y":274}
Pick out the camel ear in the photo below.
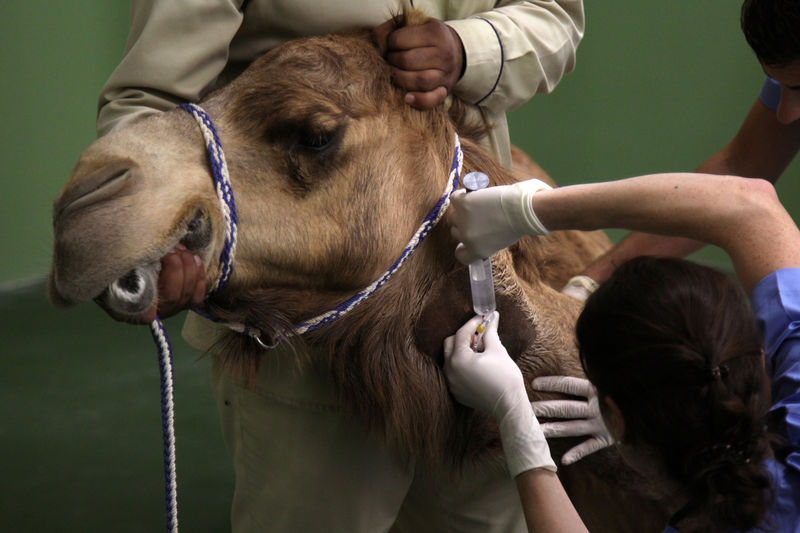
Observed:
{"x":448,"y":305}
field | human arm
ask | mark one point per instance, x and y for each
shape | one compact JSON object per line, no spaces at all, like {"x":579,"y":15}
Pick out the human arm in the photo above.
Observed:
{"x":175,"y":50}
{"x":491,"y":382}
{"x":497,"y":59}
{"x":742,"y":216}
{"x":762,"y":148}
{"x":516,"y":50}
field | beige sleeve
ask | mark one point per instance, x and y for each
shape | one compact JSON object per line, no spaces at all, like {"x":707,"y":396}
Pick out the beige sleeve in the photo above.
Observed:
{"x":175,"y":50}
{"x":516,"y":50}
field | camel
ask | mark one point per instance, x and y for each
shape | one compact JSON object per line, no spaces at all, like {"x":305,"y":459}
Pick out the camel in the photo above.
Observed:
{"x":332,"y":174}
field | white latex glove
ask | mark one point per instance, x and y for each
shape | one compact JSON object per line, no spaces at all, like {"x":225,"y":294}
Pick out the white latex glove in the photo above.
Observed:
{"x":580,"y":287}
{"x":491,"y":382}
{"x":491,"y":219}
{"x":584,"y":418}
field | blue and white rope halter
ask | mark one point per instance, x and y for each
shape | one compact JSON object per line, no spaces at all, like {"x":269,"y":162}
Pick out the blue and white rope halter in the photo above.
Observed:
{"x":222,"y":184}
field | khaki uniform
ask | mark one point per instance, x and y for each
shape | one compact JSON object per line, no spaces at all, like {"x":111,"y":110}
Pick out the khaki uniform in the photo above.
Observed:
{"x":177,"y":50}
{"x":302,"y":461}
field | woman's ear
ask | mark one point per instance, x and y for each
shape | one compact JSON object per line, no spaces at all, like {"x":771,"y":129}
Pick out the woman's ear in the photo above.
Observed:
{"x":613,"y":419}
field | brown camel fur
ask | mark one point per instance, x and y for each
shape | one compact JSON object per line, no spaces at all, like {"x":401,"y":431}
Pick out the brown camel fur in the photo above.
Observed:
{"x":333,"y":173}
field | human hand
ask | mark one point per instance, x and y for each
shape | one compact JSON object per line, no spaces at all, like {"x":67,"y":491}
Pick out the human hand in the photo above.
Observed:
{"x":584,"y":417}
{"x":490,"y":219}
{"x":427,"y":60}
{"x":580,"y":287}
{"x":181,"y":285}
{"x":491,"y":382}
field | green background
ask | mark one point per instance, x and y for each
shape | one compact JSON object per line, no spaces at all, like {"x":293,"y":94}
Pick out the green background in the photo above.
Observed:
{"x":658,"y":86}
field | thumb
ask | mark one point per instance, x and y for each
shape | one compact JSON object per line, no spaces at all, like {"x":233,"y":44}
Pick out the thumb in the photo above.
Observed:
{"x":448,"y":347}
{"x":490,"y":336}
{"x":464,"y":255}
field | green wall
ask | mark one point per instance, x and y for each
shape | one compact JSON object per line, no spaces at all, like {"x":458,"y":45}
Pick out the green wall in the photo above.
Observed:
{"x":658,"y":86}
{"x":54,"y":57}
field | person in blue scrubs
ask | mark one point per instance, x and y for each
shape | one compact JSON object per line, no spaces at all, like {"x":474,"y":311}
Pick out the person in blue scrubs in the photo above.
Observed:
{"x":686,"y":370}
{"x":768,"y":138}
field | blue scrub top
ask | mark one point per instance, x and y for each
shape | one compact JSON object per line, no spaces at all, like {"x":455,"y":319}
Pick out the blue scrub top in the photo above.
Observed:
{"x":776,"y":303}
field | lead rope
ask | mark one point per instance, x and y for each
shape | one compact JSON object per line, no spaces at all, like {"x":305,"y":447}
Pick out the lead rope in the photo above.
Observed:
{"x":167,"y":423}
{"x":222,"y":184}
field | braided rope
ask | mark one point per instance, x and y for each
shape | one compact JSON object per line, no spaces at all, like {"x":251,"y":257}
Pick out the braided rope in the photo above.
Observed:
{"x":167,"y":422}
{"x":222,"y":182}
{"x":427,"y":225}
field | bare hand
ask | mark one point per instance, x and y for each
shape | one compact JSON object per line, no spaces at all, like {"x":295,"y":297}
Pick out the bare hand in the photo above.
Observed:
{"x":427,"y":60}
{"x":181,"y":285}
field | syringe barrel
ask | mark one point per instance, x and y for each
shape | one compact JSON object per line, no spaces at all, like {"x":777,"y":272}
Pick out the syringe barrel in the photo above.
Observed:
{"x":480,"y":272}
{"x":482,"y":285}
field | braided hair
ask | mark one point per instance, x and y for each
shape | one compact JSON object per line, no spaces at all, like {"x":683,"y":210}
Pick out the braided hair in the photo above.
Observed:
{"x":676,"y":346}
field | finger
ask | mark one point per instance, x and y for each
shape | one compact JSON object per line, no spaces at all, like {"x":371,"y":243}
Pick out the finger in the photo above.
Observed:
{"x":380,"y":35}
{"x":426,"y":100}
{"x":561,"y":409}
{"x":491,"y":326}
{"x":189,"y":267}
{"x":464,"y":255}
{"x":417,"y":59}
{"x":569,"y":428}
{"x":448,"y":348}
{"x":199,"y":294}
{"x":565,"y":384}
{"x":170,"y":279}
{"x":464,"y":333}
{"x":583,"y":449}
{"x":419,"y":80}
{"x":416,"y":36}
{"x":455,"y":233}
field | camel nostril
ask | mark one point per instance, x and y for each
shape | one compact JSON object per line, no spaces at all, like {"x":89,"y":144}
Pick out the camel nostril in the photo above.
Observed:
{"x":99,"y":185}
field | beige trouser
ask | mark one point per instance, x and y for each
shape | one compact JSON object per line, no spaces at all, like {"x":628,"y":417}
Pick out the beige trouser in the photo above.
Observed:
{"x":304,"y":464}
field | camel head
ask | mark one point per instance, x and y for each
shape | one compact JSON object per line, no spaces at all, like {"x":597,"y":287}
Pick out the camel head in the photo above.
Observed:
{"x":331,"y":173}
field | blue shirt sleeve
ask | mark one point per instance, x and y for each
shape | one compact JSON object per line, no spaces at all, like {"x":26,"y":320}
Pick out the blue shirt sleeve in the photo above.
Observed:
{"x":770,"y":94}
{"x":776,"y":303}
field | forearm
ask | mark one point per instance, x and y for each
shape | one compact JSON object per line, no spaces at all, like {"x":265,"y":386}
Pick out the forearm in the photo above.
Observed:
{"x":517,"y":50}
{"x":762,"y":148}
{"x":175,"y":49}
{"x":546,"y":504}
{"x":636,"y":244}
{"x":743,"y":217}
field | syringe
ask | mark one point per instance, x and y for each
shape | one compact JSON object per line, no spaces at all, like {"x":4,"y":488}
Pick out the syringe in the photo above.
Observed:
{"x":481,"y":280}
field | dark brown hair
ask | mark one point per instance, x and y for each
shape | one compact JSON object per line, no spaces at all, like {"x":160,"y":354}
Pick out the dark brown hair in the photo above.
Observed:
{"x":772,"y":28}
{"x":676,"y":346}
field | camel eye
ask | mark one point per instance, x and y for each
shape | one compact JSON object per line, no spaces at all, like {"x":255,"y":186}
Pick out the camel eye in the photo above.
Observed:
{"x":316,"y":140}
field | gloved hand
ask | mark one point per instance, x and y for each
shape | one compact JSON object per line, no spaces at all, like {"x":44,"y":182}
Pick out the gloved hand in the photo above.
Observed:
{"x":490,"y":219}
{"x":491,"y":382}
{"x":580,"y":287}
{"x":584,"y":416}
